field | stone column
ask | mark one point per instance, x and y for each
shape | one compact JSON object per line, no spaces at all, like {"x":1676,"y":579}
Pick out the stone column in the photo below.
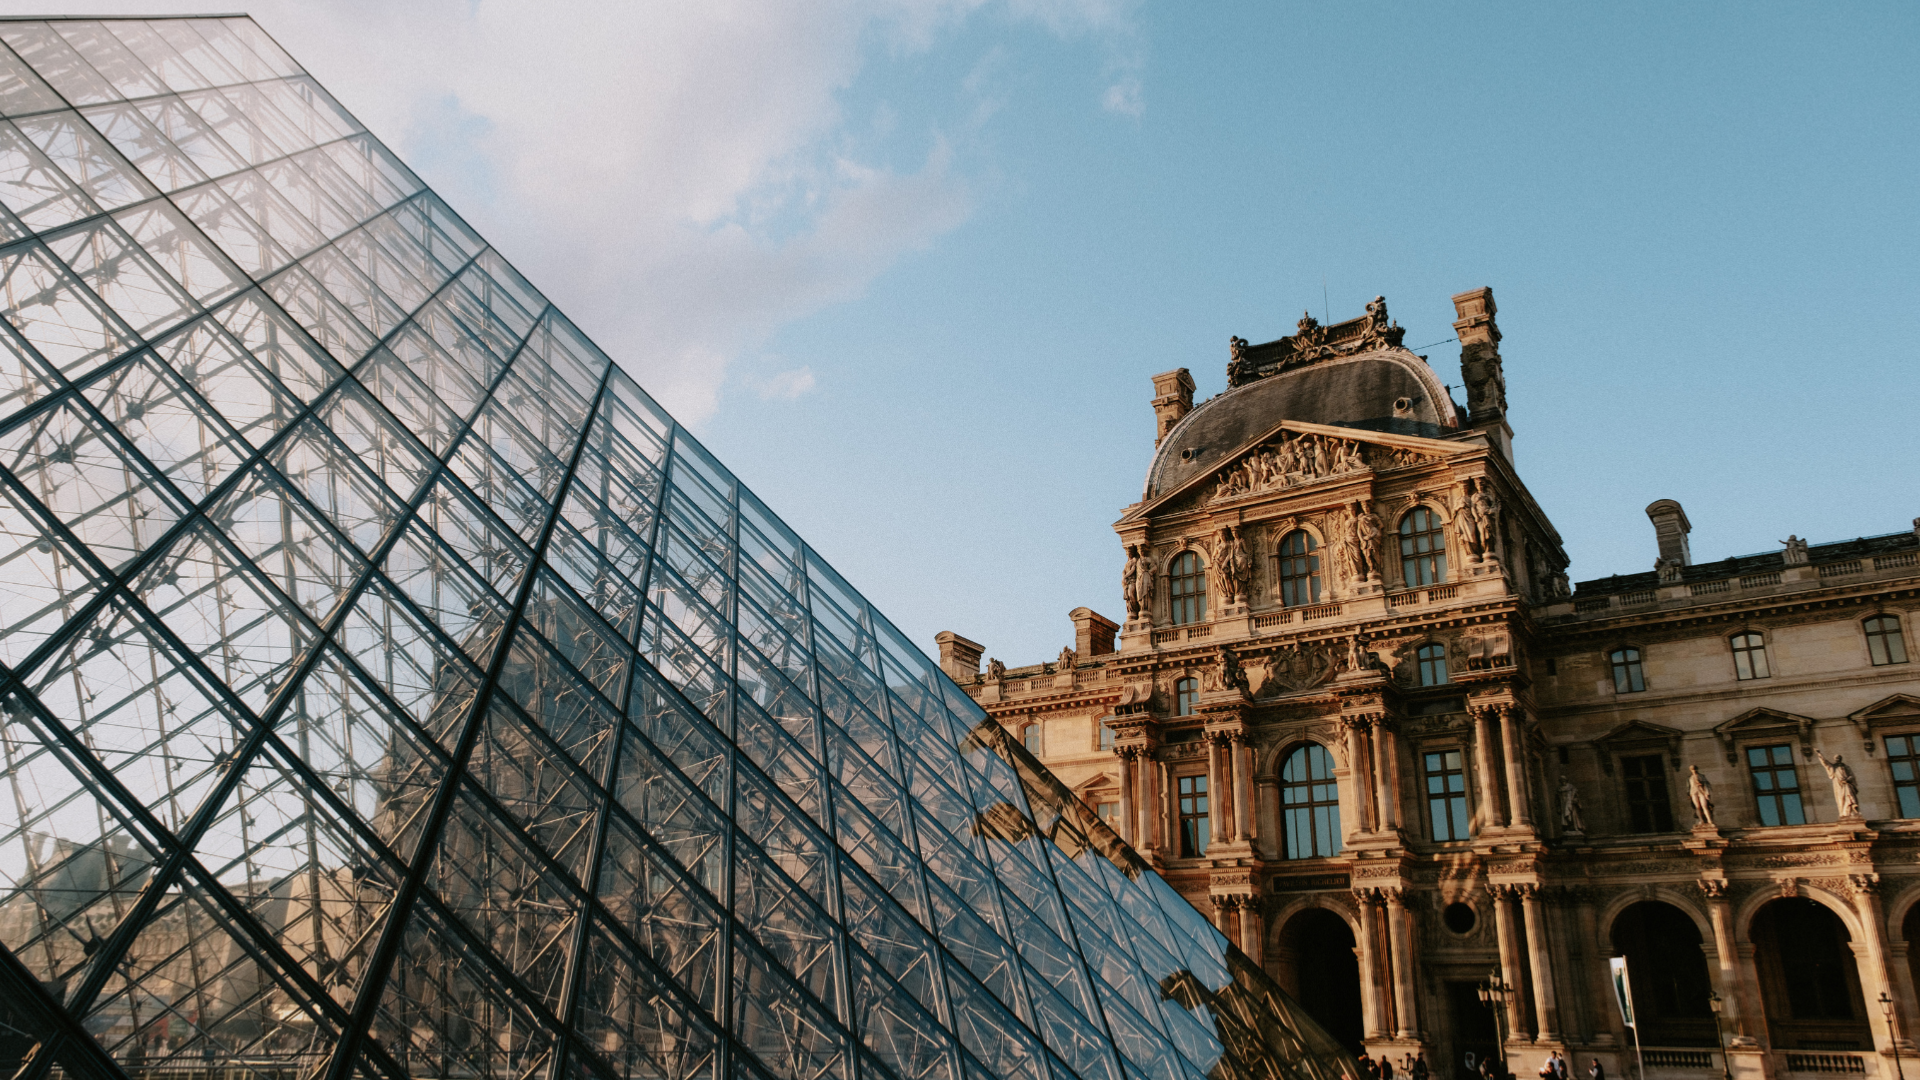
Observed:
{"x":1545,"y":1007}
{"x":1510,"y":972}
{"x":1126,"y":821}
{"x":1866,"y":900}
{"x":1600,"y":1009}
{"x":1518,"y":799}
{"x":1386,"y":784}
{"x":1360,"y":768}
{"x":1372,"y":992}
{"x":1242,"y":789}
{"x":1154,"y":803}
{"x":1726,"y":973}
{"x":1252,"y":930}
{"x":1400,"y":939}
{"x":1216,"y":809}
{"x":1223,"y":915}
{"x":1483,"y":767}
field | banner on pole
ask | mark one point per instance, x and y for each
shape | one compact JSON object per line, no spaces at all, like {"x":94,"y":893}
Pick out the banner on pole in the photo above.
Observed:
{"x":1622,"y":989}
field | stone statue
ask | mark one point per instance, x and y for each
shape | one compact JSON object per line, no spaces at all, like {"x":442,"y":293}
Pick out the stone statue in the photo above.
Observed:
{"x":1238,"y":364}
{"x":1226,"y":674}
{"x":1137,"y":581}
{"x":1796,"y":551}
{"x":1484,"y":509}
{"x":1570,"y":819}
{"x":1377,"y":312}
{"x":1068,"y":659}
{"x":1367,"y":535}
{"x":995,"y":670}
{"x":1846,"y":790}
{"x":1700,"y":793}
{"x":1356,"y":656}
{"x":1231,"y":565}
{"x":1667,"y":570}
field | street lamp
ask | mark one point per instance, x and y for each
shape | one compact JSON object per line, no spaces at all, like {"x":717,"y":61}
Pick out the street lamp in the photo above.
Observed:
{"x":1719,"y":1035}
{"x":1893,"y":1037}
{"x":1494,"y":994}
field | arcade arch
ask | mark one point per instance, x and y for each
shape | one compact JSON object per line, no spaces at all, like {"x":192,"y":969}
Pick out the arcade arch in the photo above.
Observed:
{"x":1313,"y":959}
{"x":1809,"y":982}
{"x":1668,"y":969}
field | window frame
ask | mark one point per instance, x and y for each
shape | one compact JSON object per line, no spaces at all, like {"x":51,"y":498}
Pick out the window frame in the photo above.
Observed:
{"x":1192,"y":808}
{"x":1906,"y":792}
{"x":1297,"y":568}
{"x":1319,"y":811}
{"x":1424,"y":664}
{"x":1635,"y":666}
{"x":1658,"y":812}
{"x":1032,"y":737}
{"x":1421,"y":567}
{"x":1457,"y":802}
{"x":1186,"y":695}
{"x":1779,"y":760}
{"x":1897,"y":637}
{"x":1750,"y":661}
{"x":1189,"y":607}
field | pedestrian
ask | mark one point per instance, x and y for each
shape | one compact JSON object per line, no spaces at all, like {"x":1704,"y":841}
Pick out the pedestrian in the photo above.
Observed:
{"x":1560,"y":1070}
{"x":1597,"y":1071}
{"x":1419,"y":1069}
{"x":1386,"y":1067}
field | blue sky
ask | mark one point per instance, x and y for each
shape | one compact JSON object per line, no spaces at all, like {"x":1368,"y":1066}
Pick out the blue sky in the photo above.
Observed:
{"x":907,"y":265}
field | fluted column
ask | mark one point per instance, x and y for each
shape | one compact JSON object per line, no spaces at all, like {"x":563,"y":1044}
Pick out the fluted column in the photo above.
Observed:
{"x":1545,"y":1008}
{"x":1510,"y":971}
{"x":1483,"y":766}
{"x":1727,"y":973}
{"x":1385,"y":783}
{"x":1216,"y":808}
{"x":1159,"y":808}
{"x":1242,"y":789}
{"x":1511,"y":742}
{"x":1372,"y":991}
{"x":1400,"y":943}
{"x":1128,"y":812}
{"x":1866,"y":900}
{"x":1359,"y":766}
{"x":1252,"y":930}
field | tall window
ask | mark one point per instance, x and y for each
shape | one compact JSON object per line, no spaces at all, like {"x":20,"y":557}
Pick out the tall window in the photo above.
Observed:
{"x":1447,"y":794}
{"x":1749,"y":656}
{"x":1299,"y":569}
{"x":1433,"y":664}
{"x":1423,"y":548}
{"x":1310,"y":798}
{"x":1776,"y":786}
{"x":1884,"y":643}
{"x":1031,"y":736}
{"x":1903,"y":756}
{"x":1105,"y":735}
{"x":1186,"y":693}
{"x":1109,"y":814}
{"x":1648,"y":808}
{"x":1193,"y":816}
{"x":1628,"y":678}
{"x":1188,"y":591}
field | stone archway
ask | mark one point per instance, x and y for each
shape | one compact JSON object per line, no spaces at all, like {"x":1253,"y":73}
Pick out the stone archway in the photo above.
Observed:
{"x":1809,"y":982}
{"x":1313,"y":959}
{"x":1668,"y":970}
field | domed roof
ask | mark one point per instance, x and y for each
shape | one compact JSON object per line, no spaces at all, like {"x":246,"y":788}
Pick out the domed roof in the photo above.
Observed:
{"x":1387,"y":389}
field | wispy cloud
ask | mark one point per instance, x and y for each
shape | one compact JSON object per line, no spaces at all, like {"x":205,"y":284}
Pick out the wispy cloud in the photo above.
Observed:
{"x":785,"y":385}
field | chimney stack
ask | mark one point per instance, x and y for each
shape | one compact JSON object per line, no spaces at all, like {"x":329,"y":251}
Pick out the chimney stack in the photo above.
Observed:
{"x":1670,"y":527}
{"x":1092,"y":633}
{"x":959,"y":658}
{"x":1172,"y":399}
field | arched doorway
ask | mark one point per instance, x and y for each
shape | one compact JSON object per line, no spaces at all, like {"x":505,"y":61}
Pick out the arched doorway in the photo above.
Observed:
{"x":1808,"y":980}
{"x":1314,"y":962}
{"x":1669,"y":974}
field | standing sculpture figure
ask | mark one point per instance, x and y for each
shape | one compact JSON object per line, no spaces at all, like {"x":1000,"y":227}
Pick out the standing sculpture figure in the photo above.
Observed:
{"x":1570,"y":819}
{"x":1138,"y":582}
{"x":1485,"y":511}
{"x":1700,"y":793}
{"x":1846,"y":790}
{"x":1367,"y":535}
{"x":1231,"y":563}
{"x":1794,"y":551}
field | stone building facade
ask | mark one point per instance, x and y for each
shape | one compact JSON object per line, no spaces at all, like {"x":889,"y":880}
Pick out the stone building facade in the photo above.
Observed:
{"x":1357,"y":715}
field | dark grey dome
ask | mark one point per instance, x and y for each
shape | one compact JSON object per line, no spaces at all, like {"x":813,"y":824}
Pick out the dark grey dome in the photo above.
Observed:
{"x":1357,"y":392}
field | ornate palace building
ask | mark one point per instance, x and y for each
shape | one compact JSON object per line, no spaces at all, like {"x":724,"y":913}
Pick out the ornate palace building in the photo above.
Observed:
{"x":1357,"y":716}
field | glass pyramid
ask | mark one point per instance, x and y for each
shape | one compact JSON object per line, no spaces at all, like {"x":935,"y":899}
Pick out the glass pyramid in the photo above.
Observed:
{"x":388,"y":687}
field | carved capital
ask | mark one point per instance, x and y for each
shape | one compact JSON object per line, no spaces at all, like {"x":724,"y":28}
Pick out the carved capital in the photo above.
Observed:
{"x":1502,"y":891}
{"x":1713,"y":889}
{"x":1864,"y":884}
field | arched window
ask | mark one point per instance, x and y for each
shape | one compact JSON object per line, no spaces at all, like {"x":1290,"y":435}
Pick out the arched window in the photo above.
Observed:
{"x":1310,"y":799}
{"x":1433,"y":664}
{"x":1185,"y":693}
{"x":1030,"y":735}
{"x":1627,"y":676}
{"x":1423,"y":548}
{"x":1749,"y":656}
{"x":1884,"y":643}
{"x":1188,"y":591}
{"x":1299,"y":569}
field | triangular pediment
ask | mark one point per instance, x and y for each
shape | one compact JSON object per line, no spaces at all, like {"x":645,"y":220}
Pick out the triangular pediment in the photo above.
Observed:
{"x":1294,"y":455}
{"x":1899,"y":706}
{"x":1634,"y":731}
{"x":1761,"y":722}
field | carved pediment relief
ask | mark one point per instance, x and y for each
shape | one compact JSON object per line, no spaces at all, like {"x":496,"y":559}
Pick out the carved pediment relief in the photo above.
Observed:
{"x":1756,"y":724}
{"x":1293,"y":459}
{"x":1296,"y":668}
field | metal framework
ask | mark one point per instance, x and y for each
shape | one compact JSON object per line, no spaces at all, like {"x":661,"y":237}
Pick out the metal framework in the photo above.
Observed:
{"x":389,"y":688}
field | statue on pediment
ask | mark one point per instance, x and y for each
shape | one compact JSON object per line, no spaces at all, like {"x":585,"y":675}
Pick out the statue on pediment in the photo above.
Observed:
{"x":1794,"y":551}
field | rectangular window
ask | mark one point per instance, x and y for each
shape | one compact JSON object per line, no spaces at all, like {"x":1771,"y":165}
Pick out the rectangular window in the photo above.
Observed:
{"x":1776,"y":786}
{"x":1109,"y":814}
{"x":1447,"y":794}
{"x":1884,"y":643}
{"x":1193,"y":816}
{"x":1749,"y":656}
{"x":1648,"y":809}
{"x":1903,"y":756}
{"x":1105,"y":736}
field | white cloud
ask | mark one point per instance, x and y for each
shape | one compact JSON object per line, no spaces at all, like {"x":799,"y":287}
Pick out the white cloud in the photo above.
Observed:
{"x":785,"y":385}
{"x":1125,"y":97}
{"x":679,"y":177}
